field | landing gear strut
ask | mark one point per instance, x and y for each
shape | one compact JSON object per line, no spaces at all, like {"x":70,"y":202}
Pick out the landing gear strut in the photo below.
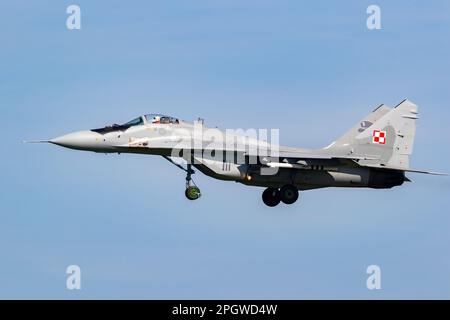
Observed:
{"x":287,"y":194}
{"x":192,"y":192}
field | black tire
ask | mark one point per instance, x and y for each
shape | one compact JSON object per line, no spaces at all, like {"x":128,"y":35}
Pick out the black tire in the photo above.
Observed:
{"x":289,"y":194}
{"x":192,"y":193}
{"x":271,"y":197}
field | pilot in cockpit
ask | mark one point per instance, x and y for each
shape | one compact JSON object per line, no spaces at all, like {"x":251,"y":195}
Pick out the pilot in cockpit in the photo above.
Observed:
{"x":161,"y":119}
{"x":156,"y":119}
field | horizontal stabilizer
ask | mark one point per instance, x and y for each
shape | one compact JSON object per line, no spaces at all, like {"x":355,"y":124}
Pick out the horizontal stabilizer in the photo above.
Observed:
{"x":426,"y":172}
{"x":407,"y":170}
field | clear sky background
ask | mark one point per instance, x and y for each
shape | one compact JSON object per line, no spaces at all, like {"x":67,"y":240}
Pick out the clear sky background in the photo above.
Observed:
{"x":311,"y":69}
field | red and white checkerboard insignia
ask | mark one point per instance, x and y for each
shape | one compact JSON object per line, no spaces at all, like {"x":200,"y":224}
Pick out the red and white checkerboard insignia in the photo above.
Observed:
{"x":379,"y":137}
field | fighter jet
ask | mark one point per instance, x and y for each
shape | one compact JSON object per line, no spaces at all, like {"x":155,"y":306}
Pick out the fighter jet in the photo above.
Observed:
{"x":374,"y":153}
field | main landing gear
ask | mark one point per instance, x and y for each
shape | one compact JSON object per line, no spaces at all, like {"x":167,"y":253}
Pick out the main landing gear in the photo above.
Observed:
{"x":287,"y":194}
{"x":192,"y":192}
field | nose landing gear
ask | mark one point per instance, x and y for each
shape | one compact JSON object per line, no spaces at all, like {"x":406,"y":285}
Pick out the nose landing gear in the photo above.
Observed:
{"x":192,"y":192}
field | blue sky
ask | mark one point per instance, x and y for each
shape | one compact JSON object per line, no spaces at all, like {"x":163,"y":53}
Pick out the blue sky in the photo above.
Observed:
{"x":310,"y":69}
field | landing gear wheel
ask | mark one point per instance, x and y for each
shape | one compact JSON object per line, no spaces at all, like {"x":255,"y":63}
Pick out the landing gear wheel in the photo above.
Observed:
{"x":192,"y":193}
{"x":271,"y":197}
{"x":289,"y":194}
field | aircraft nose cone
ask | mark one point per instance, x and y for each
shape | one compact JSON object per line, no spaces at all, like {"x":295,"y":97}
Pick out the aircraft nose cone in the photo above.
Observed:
{"x":81,"y":140}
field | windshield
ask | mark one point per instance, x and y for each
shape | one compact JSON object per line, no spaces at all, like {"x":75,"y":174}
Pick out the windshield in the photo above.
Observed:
{"x":134,"y":122}
{"x":160,"y":119}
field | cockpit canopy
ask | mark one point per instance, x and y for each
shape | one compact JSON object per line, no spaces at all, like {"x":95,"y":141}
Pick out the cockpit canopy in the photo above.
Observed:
{"x":160,"y":119}
{"x":146,"y":119}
